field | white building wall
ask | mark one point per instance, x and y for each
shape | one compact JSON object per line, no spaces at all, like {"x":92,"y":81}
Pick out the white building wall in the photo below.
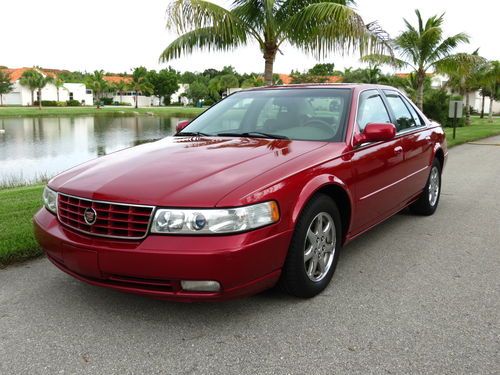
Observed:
{"x":177,"y":96}
{"x":143,"y":101}
{"x":475,"y":101}
{"x":21,"y":95}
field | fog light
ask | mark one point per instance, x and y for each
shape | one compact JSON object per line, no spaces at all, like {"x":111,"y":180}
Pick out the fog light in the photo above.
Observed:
{"x":200,"y":286}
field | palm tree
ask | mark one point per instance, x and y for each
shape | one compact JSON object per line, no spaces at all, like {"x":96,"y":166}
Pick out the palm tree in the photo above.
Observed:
{"x":492,"y":81}
{"x":421,"y":48}
{"x":98,"y":85}
{"x":28,"y":79}
{"x":6,"y":85}
{"x":464,"y":72}
{"x":140,"y":83}
{"x":58,"y":83}
{"x":312,"y":26}
{"x":35,"y":81}
{"x":120,"y":87}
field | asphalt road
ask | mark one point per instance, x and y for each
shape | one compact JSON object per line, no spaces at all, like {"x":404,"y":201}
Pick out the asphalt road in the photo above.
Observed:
{"x":417,"y":295}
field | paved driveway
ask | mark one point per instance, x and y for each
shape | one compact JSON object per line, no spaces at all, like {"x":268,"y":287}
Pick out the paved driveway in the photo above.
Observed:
{"x":414,"y":295}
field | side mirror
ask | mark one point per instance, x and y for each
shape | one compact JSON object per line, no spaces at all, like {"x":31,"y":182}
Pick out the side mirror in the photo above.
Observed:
{"x":375,"y":132}
{"x":181,"y":125}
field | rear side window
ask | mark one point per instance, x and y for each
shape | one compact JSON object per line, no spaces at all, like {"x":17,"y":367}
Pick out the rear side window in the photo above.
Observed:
{"x":404,"y":119}
{"x":416,"y":117}
{"x":371,"y":108}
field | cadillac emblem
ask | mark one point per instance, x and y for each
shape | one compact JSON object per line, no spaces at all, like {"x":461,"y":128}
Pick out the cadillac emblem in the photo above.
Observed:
{"x":90,"y":216}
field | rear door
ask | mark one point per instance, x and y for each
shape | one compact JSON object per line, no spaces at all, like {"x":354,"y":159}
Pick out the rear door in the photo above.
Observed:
{"x":416,"y":142}
{"x":377,"y":166}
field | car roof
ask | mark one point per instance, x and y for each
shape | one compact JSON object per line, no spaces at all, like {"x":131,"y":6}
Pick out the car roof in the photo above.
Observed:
{"x":358,"y":86}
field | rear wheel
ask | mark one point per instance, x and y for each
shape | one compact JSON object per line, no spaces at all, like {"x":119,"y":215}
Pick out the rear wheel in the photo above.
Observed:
{"x":314,"y":250}
{"x":427,"y":203}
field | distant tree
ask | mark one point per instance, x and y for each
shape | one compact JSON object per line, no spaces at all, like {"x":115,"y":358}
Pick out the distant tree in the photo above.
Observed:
{"x":35,"y":81}
{"x":253,"y":81}
{"x":73,"y":77}
{"x":322,"y":70}
{"x":187,"y":77}
{"x":197,"y":91}
{"x":492,"y":81}
{"x":6,"y":85}
{"x":120,"y":87}
{"x":58,"y":82}
{"x":28,"y":80}
{"x":464,"y":72}
{"x":221,"y":83}
{"x":165,"y":83}
{"x":140,"y":84}
{"x":298,"y":77}
{"x":98,"y":85}
{"x":420,"y":48}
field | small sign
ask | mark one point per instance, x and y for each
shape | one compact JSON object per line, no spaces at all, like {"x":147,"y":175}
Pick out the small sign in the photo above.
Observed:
{"x":456,"y":109}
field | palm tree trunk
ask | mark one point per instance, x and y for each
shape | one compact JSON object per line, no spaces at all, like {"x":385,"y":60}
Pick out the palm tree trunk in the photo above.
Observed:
{"x":490,"y":115}
{"x":39,"y":99}
{"x":98,"y":101}
{"x":32,"y":97}
{"x":136,"y":99}
{"x":58,"y":94}
{"x":269,"y":56}
{"x":482,"y":105}
{"x":1,"y":100}
{"x":467,"y":108}
{"x":420,"y":89}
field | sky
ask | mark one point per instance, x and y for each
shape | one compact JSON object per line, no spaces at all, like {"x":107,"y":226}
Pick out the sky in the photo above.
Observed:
{"x":118,"y":35}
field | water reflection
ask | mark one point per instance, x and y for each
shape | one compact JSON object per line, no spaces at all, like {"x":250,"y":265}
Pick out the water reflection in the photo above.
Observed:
{"x":35,"y":147}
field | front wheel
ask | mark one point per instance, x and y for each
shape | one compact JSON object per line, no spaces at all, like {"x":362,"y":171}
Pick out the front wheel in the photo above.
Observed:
{"x":428,"y":201}
{"x":314,"y":250}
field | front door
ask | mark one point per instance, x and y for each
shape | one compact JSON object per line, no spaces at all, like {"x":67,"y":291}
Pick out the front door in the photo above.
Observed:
{"x":378,"y":167}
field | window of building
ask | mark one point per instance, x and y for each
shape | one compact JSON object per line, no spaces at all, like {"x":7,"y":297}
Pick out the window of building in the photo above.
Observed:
{"x":70,"y":96}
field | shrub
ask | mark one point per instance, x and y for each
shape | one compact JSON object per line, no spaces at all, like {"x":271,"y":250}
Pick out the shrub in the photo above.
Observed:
{"x":46,"y":103}
{"x":73,"y":103}
{"x":436,"y":106}
{"x":106,"y":101}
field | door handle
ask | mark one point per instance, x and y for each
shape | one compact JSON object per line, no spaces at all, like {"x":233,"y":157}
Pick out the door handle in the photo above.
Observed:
{"x":398,"y":150}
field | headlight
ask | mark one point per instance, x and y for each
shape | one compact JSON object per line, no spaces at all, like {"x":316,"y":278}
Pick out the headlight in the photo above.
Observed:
{"x":50,"y":200}
{"x":213,"y":221}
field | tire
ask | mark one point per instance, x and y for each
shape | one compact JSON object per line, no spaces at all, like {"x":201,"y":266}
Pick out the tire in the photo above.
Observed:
{"x":302,"y":254}
{"x":429,"y":199}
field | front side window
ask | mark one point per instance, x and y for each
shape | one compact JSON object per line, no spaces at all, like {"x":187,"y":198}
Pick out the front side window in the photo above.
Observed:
{"x":300,"y":114}
{"x":371,"y":109}
{"x":404,"y":119}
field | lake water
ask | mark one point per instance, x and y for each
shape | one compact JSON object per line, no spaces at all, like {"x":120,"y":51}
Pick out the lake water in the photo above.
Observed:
{"x":34,"y":148}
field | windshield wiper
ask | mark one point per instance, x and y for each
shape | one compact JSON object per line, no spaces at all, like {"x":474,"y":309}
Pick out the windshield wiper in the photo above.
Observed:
{"x":191,"y":134}
{"x":253,"y":134}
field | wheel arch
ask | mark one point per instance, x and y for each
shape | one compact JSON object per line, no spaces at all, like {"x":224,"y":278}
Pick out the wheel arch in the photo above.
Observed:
{"x":335,"y":189}
{"x":439,"y":154}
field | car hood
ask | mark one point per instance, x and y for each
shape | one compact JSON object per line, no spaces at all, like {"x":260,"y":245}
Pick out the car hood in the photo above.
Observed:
{"x":179,"y":171}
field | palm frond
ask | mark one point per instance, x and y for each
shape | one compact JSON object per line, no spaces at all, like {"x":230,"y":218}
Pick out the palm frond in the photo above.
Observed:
{"x":324,"y":27}
{"x":385,"y":60}
{"x":446,"y":47}
{"x":201,"y":38}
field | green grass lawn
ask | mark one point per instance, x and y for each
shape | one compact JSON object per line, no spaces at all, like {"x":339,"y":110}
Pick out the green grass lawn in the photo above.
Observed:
{"x":480,"y":128}
{"x":17,"y":207}
{"x":78,"y":111}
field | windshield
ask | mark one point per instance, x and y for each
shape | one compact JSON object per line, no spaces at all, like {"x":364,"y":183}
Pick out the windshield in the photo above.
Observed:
{"x":301,"y":114}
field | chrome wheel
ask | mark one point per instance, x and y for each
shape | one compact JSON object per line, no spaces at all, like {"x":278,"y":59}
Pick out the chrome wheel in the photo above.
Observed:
{"x":434,"y":186}
{"x":319,"y":246}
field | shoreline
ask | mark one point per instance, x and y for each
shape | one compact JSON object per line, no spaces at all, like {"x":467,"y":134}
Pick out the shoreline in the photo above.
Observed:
{"x":16,"y":112}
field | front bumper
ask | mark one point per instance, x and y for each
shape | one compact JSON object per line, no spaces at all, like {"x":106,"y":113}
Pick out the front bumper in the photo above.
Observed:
{"x":243,"y":264}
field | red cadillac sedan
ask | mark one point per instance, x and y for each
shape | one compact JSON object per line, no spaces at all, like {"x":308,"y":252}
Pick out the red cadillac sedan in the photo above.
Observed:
{"x":263,"y":188}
